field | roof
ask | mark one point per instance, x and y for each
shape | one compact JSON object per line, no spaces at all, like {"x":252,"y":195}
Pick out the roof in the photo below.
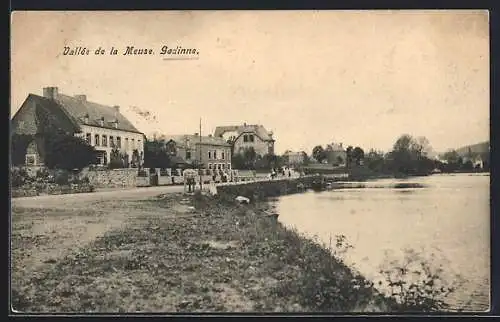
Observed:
{"x":51,"y":109}
{"x":70,"y":113}
{"x":182,"y":140}
{"x":259,"y":130}
{"x":78,"y":109}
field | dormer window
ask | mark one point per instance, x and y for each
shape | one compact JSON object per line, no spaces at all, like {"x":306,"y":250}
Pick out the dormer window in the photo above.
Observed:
{"x":115,"y":124}
{"x":101,"y":121}
{"x":86,"y":119}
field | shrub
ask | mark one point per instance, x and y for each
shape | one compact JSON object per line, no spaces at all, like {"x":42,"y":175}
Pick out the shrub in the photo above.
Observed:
{"x":43,"y":174}
{"x":417,"y":283}
{"x":18,"y":177}
{"x":67,"y":152}
{"x":62,"y":178}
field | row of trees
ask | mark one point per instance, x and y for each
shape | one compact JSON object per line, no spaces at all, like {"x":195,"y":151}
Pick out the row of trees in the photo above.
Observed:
{"x":353,"y":155}
{"x":409,"y":156}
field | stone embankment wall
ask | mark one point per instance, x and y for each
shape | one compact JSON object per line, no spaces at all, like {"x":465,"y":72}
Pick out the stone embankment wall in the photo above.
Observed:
{"x":265,"y":188}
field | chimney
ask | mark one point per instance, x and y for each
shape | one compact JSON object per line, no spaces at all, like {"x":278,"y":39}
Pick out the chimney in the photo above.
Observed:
{"x":196,"y":134}
{"x":245,"y":124}
{"x":81,"y":98}
{"x":50,"y":92}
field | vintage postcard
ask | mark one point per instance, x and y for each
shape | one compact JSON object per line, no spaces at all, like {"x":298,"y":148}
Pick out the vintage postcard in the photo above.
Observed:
{"x":250,"y":161}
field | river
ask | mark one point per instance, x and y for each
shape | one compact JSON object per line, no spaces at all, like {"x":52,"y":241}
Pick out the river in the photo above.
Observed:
{"x":448,"y":217}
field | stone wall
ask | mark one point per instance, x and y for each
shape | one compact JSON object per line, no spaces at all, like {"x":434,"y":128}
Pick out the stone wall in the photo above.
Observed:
{"x":263,"y":189}
{"x":107,"y":178}
{"x":50,"y":189}
{"x":128,"y":178}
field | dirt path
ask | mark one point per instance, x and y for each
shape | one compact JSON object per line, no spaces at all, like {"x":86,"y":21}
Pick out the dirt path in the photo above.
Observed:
{"x":85,"y":199}
{"x":47,"y":228}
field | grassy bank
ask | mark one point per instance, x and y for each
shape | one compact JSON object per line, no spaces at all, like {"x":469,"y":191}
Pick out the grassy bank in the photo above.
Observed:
{"x":217,"y":256}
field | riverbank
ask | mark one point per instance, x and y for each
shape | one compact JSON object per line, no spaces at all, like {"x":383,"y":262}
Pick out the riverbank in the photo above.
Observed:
{"x":183,"y":254}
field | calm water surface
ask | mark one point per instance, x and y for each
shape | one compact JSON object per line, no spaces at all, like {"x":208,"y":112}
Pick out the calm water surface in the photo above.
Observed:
{"x":450,"y":217}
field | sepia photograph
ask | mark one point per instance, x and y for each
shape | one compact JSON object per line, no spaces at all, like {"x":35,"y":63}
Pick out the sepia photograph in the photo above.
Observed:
{"x":300,"y":161}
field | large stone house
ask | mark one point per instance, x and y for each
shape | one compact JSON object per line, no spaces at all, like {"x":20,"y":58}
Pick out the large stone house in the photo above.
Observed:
{"x":294,"y":158}
{"x":103,"y":127}
{"x":208,"y":151}
{"x":336,"y":154}
{"x":246,"y":136}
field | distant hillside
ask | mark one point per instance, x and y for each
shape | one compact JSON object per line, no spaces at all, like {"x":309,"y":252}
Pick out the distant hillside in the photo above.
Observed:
{"x":477,"y":148}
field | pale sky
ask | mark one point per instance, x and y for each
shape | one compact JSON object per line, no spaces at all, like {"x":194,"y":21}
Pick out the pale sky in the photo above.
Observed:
{"x":312,"y":77}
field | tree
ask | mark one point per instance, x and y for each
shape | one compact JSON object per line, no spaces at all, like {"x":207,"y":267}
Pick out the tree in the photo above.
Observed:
{"x":238,"y":161}
{"x":250,"y":157}
{"x":319,"y":153}
{"x":375,"y":161}
{"x":156,"y":155}
{"x":135,"y":161}
{"x":118,"y":160}
{"x":357,"y":155}
{"x":348,"y":153}
{"x":305,"y":158}
{"x":67,"y":152}
{"x":409,"y":156}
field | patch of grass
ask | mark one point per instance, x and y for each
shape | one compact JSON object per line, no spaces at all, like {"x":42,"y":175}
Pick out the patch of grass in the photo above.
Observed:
{"x":223,"y":257}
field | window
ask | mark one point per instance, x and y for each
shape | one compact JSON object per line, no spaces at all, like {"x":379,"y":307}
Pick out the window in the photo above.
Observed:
{"x":210,"y":154}
{"x":245,"y":138}
{"x":218,"y":166}
{"x":104,"y":140}
{"x":88,"y":138}
{"x":229,"y":166}
{"x":133,"y":144}
{"x":118,"y":142}
{"x":222,"y":156}
{"x":111,"y":141}
{"x":96,"y":140}
{"x":223,"y":166}
{"x":188,"y":155}
{"x":126,"y":143}
{"x":30,"y":159}
{"x":215,"y":155}
{"x":251,"y":138}
{"x":138,"y":143}
{"x":210,"y":166}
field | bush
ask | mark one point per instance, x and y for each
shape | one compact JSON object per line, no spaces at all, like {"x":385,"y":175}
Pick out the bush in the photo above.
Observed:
{"x":417,"y":283}
{"x":67,"y":152}
{"x":18,"y":177}
{"x":62,"y":178}
{"x":43,"y":174}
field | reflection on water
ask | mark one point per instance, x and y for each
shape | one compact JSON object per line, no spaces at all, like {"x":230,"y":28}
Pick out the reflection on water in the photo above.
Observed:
{"x":449,"y":216}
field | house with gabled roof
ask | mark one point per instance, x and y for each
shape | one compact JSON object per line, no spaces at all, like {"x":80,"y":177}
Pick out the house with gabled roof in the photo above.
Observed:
{"x":102,"y":126}
{"x":206,"y":151}
{"x":246,"y":136}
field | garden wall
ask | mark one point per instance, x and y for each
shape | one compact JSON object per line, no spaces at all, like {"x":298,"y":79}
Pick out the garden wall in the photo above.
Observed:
{"x":49,"y":189}
{"x":115,"y":178}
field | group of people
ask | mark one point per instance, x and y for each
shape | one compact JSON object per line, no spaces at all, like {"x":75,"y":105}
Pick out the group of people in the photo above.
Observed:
{"x":285,"y":172}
